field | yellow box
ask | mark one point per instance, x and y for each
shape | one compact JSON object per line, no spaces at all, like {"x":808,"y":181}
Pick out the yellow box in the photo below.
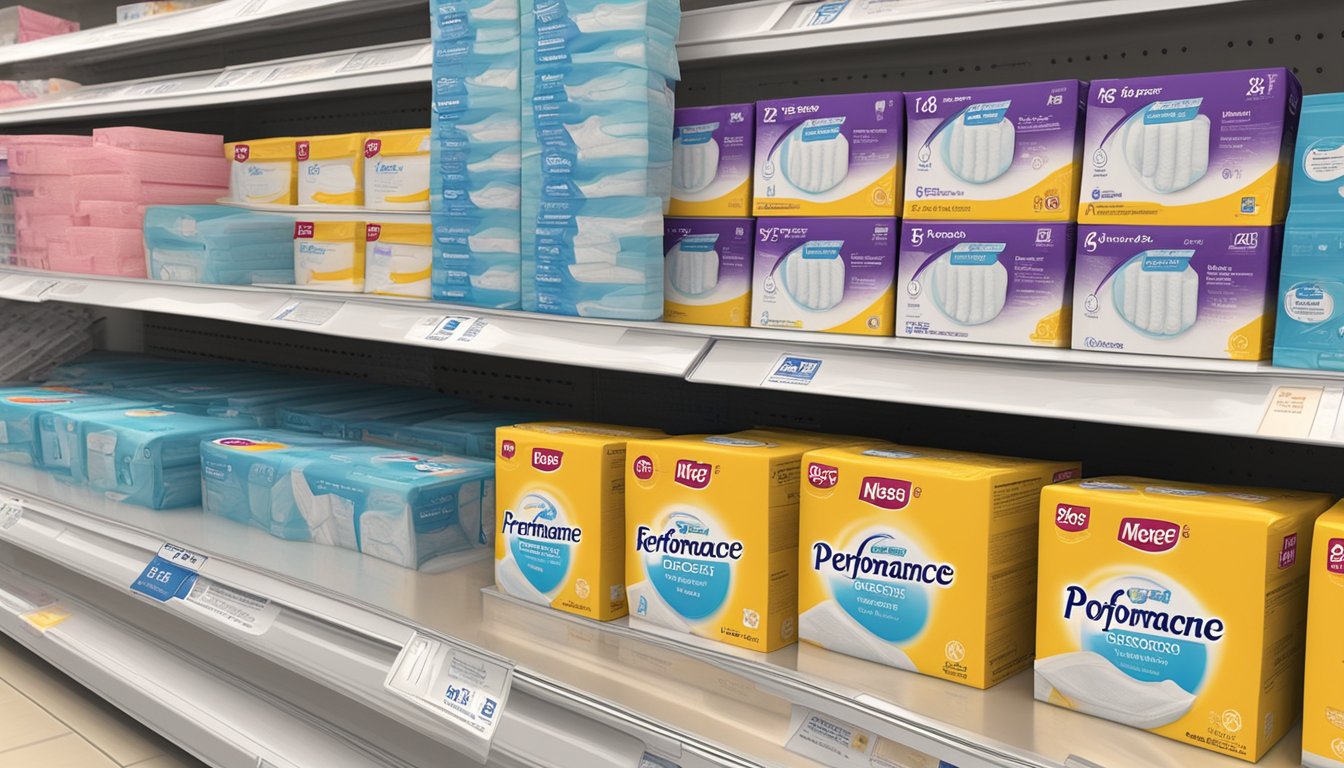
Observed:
{"x":396,"y":170}
{"x":711,"y":526}
{"x":397,"y":259}
{"x":886,"y":575}
{"x":560,"y":499}
{"x":1323,"y":698}
{"x":329,"y":255}
{"x":330,"y":170}
{"x":1174,"y":607}
{"x":262,"y":171}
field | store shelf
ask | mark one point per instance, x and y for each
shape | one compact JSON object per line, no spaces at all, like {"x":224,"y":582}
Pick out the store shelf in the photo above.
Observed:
{"x":644,"y":347}
{"x":1220,"y":397}
{"x":340,"y":71}
{"x":204,"y":712}
{"x":340,"y":619}
{"x":221,"y":21}
{"x":771,"y":27}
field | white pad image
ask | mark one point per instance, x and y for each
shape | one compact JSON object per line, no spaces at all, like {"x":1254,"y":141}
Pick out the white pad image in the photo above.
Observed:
{"x":1169,"y":156}
{"x":1162,"y":303}
{"x":971,"y":294}
{"x":692,"y":272}
{"x":694,"y":164}
{"x":510,"y":579}
{"x":814,"y":164}
{"x":1093,"y":685}
{"x":827,"y":625}
{"x":980,"y":153}
{"x":814,"y":283}
{"x":646,"y":603}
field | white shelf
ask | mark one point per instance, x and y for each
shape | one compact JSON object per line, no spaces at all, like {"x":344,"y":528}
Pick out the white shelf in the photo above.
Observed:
{"x":220,"y":21}
{"x":375,"y":67}
{"x":775,"y":26}
{"x":343,"y":618}
{"x":1219,"y":397}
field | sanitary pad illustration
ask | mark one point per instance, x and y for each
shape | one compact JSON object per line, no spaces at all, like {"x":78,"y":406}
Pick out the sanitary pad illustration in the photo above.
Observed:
{"x":708,"y":271}
{"x":829,"y":155}
{"x":1209,"y":149}
{"x":1000,"y":153}
{"x":712,"y":160}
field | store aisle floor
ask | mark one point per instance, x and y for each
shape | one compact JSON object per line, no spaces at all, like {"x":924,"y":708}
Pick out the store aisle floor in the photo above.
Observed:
{"x":48,"y":720}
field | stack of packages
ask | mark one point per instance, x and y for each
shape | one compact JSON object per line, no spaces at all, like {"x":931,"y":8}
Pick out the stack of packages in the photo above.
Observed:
{"x":990,"y":194}
{"x":475,"y":174}
{"x":80,"y":201}
{"x":20,"y":25}
{"x":8,"y":229}
{"x":218,"y":245}
{"x":597,"y":149}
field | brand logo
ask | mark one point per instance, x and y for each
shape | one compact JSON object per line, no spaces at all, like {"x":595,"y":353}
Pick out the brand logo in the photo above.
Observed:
{"x":1090,"y":242}
{"x":301,"y":150}
{"x":1334,"y":556}
{"x":673,"y":541}
{"x":508,"y":449}
{"x":642,"y":467}
{"x":241,"y":152}
{"x":1072,"y":518}
{"x":693,"y":474}
{"x":372,"y":147}
{"x":1246,"y":239}
{"x":822,"y":475}
{"x":1064,"y":474}
{"x":916,"y":236}
{"x":1114,"y":613}
{"x":1288,"y":552}
{"x":882,"y":556}
{"x":885,"y":492}
{"x":1148,"y":535}
{"x":372,"y":232}
{"x":1106,"y":95}
{"x":546,"y":459}
{"x":303,"y":229}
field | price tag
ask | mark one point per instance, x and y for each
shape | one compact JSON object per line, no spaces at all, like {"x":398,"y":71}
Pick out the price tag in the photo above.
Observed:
{"x":828,"y":741}
{"x":238,"y":77}
{"x":305,"y":312}
{"x":11,"y":511}
{"x":304,"y":70}
{"x":1301,"y":412}
{"x":794,"y":371}
{"x":154,"y":89}
{"x":464,"y":688}
{"x":448,"y":328}
{"x":241,"y":610}
{"x":171,"y":573}
{"x":46,"y":617}
{"x":379,"y":59}
{"x":64,"y":288}
{"x":822,"y":14}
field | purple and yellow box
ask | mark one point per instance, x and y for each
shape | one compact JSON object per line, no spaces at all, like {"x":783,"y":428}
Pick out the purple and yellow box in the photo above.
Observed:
{"x":707,"y":271}
{"x":712,"y":149}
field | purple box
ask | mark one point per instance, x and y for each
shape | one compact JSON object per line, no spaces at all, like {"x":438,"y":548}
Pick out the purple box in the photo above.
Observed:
{"x":707,"y":271}
{"x":998,"y":282}
{"x":829,"y":155}
{"x":819,"y":274}
{"x":1000,"y":153}
{"x":712,"y":150}
{"x":1211,"y":149}
{"x":1184,"y":291}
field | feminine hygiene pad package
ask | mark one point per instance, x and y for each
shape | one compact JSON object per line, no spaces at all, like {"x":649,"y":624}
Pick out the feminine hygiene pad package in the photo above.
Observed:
{"x":1000,"y":282}
{"x":1311,"y":283}
{"x":1184,"y":291}
{"x":1209,"y":149}
{"x":829,"y":155}
{"x":822,"y":274}
{"x":712,"y":151}
{"x":217,"y":244}
{"x":398,"y":506}
{"x":1002,"y":153}
{"x":707,"y":272}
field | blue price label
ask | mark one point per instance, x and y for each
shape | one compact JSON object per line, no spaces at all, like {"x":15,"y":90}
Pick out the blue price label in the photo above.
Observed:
{"x":163,"y":580}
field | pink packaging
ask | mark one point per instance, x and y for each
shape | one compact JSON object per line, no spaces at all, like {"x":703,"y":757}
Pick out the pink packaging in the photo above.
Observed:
{"x":40,"y":194}
{"x":126,"y":188}
{"x":153,"y":140}
{"x":35,"y":25}
{"x":112,"y":213}
{"x":99,"y":251}
{"x":152,"y":166}
{"x":43,"y":154}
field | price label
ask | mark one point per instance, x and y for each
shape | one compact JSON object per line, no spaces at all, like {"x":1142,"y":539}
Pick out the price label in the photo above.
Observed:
{"x":382,"y":58}
{"x":171,"y":573}
{"x":794,"y":371}
{"x":823,"y":14}
{"x":464,"y":688}
{"x":68,"y":289}
{"x":11,"y":511}
{"x":241,"y":610}
{"x":154,"y":89}
{"x":304,"y":70}
{"x":446,"y":329}
{"x":1301,"y":412}
{"x":305,"y":312}
{"x":43,"y":619}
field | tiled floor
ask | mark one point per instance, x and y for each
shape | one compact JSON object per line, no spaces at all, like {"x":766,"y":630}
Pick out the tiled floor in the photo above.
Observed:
{"x":48,"y":720}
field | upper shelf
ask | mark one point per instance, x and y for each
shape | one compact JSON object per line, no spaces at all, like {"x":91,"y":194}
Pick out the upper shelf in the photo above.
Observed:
{"x":373,"y":67}
{"x":772,"y":26}
{"x":230,"y":19}
{"x":1221,"y":397}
